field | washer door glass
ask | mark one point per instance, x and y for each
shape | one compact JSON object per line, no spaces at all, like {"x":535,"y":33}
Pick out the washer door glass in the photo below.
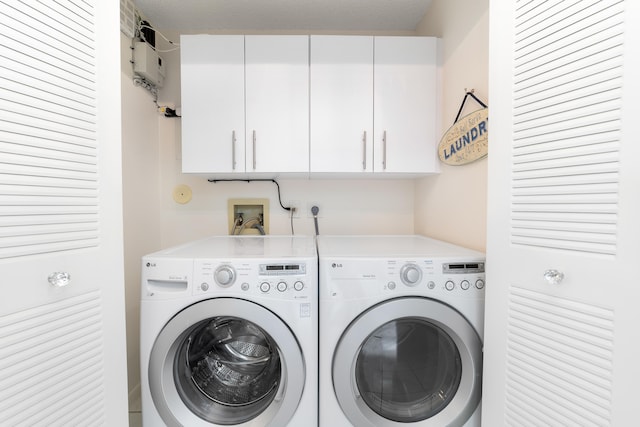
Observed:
{"x":408,"y":370}
{"x":409,"y":360}
{"x":227,"y":370}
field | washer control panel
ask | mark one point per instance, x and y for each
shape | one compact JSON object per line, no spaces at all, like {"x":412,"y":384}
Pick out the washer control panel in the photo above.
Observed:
{"x":273,"y":279}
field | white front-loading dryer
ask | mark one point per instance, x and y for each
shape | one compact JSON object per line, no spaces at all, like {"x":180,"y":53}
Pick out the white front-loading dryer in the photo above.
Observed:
{"x":401,"y":327}
{"x":228,"y":333}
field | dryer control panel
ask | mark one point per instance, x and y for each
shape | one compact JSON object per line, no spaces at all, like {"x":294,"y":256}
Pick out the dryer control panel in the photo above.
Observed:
{"x":348,"y":278}
{"x":436,"y":275}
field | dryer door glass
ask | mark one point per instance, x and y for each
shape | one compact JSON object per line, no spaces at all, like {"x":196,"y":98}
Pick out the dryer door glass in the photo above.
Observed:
{"x":227,"y":370}
{"x":408,"y":370}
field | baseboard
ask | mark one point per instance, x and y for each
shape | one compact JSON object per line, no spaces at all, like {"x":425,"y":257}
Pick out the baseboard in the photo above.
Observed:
{"x":135,"y":401}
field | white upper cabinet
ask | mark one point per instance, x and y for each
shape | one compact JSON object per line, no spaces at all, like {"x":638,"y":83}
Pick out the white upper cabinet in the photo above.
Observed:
{"x":341,"y":104}
{"x":405,"y":105}
{"x":270,"y":105}
{"x":277,"y":104}
{"x":212,"y":73}
{"x":373,"y":104}
{"x":226,"y":130}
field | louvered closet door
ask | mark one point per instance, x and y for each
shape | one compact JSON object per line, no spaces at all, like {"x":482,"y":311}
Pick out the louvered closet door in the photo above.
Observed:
{"x":561,"y":332}
{"x":62,"y":356}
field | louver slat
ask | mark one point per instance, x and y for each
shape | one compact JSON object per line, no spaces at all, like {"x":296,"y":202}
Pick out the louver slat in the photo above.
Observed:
{"x":48,"y":143}
{"x":567,"y":124}
{"x":559,"y":361}
{"x":50,"y":363}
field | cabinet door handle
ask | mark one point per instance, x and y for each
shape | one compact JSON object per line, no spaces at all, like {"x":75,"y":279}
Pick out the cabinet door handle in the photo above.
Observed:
{"x":553,"y":277}
{"x":59,"y":279}
{"x":233,"y":150}
{"x":254,"y":150}
{"x":364,"y":150}
{"x":384,"y":150}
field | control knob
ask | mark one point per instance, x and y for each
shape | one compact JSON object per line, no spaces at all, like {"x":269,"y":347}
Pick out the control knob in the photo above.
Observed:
{"x":410,"y":274}
{"x":298,"y":286}
{"x":281,"y":286}
{"x":225,"y":275}
{"x":265,"y":287}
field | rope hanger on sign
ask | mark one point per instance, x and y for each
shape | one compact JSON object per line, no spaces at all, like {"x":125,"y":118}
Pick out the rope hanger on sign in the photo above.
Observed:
{"x":466,"y":95}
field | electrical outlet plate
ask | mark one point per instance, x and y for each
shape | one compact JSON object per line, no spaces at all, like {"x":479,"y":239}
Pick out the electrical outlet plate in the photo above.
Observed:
{"x":252,"y":211}
{"x":297,"y":205}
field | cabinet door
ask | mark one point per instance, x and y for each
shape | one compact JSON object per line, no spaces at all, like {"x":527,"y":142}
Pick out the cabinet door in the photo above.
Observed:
{"x":341,"y":104}
{"x":277,"y":107}
{"x":405,"y":103}
{"x":561,"y":331}
{"x":212,"y":76}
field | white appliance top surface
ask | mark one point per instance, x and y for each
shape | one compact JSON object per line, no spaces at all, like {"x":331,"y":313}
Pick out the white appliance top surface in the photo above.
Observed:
{"x":390,"y":246}
{"x":270,"y":246}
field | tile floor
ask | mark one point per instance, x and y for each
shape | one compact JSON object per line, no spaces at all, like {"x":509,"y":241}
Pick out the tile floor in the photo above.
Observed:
{"x":135,"y":419}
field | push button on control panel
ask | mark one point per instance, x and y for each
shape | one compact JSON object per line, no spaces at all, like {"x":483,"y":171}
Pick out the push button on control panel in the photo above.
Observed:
{"x":298,"y":286}
{"x":281,"y":286}
{"x":449,"y":285}
{"x":265,"y":287}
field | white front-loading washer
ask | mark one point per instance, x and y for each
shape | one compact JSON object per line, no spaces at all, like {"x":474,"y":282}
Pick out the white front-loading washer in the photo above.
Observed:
{"x":401,"y":329}
{"x":228,"y":333}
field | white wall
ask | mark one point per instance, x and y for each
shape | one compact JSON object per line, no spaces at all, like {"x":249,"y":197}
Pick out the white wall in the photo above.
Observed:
{"x":141,"y":200}
{"x":452,"y":205}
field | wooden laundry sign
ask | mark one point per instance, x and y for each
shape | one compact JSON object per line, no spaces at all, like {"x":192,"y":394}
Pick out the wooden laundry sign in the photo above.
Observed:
{"x":467,"y":140}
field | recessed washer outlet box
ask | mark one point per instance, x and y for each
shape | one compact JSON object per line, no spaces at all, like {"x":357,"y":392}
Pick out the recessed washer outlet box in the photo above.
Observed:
{"x":248,"y":216}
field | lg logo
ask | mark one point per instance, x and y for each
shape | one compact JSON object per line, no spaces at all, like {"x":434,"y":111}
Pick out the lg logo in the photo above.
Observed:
{"x":336,"y":265}
{"x":151,"y":264}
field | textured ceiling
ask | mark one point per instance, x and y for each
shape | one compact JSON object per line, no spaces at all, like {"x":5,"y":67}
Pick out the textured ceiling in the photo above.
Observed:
{"x":190,"y":16}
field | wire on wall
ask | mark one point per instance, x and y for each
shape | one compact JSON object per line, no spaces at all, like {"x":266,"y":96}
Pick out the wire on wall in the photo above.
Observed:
{"x":142,"y":34}
{"x":252,"y":180}
{"x":286,"y":208}
{"x":150,"y":73}
{"x":291,"y":211}
{"x":140,"y":81}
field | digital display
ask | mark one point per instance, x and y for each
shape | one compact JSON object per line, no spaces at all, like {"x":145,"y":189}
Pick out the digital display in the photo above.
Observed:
{"x":463,"y":268}
{"x":275,"y":269}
